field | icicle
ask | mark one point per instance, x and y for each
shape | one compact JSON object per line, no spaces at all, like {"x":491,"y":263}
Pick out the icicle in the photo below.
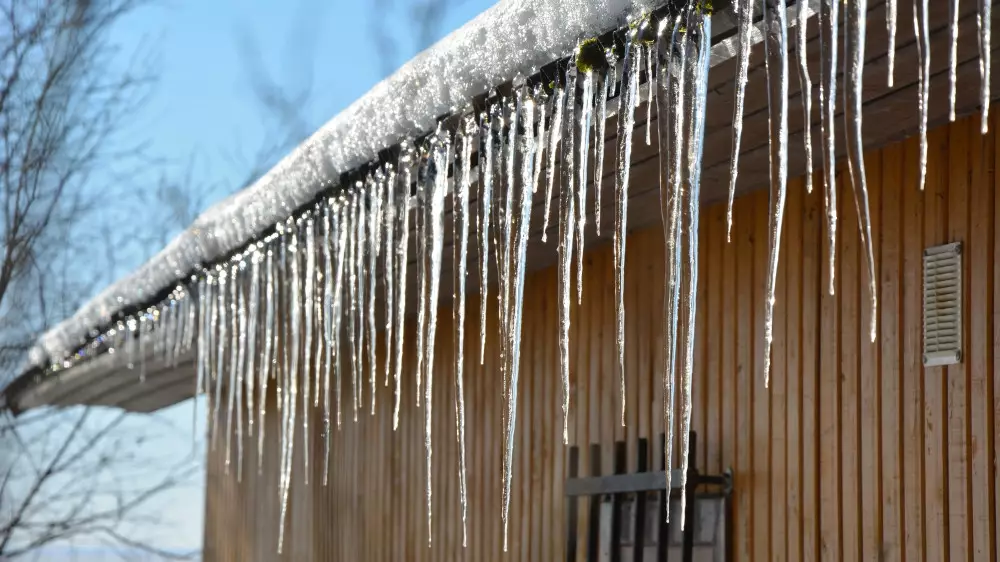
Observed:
{"x":421,"y":247}
{"x":358,"y":299}
{"x":540,"y":101}
{"x":650,"y":87}
{"x":389,"y":264}
{"x":983,"y":23}
{"x":699,"y":85}
{"x":374,"y":243}
{"x":921,"y":30}
{"x":567,"y":212}
{"x":744,"y":16}
{"x":240,"y":370}
{"x":854,"y":49}
{"x":364,"y":229}
{"x":952,"y":60}
{"x":891,"y":12}
{"x":673,"y":243}
{"x":202,"y":359}
{"x":776,"y":59}
{"x":600,"y":126}
{"x":341,"y":228}
{"x":461,"y":247}
{"x":291,"y":380}
{"x":828,"y":22}
{"x":328,"y":312}
{"x":805,"y":83}
{"x":555,"y":137}
{"x":485,"y":199}
{"x":233,"y":348}
{"x":523,"y":223}
{"x":253,"y":326}
{"x":403,"y":226}
{"x":583,"y":151}
{"x":435,"y":229}
{"x":268,"y":357}
{"x":503,"y":253}
{"x":626,"y":121}
{"x":309,"y":282}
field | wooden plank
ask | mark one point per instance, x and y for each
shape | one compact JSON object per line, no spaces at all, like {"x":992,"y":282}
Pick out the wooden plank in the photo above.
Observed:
{"x":890,"y":297}
{"x":870,"y":387}
{"x":936,"y":390}
{"x":712,"y":337}
{"x":849,"y":270}
{"x":761,"y":401}
{"x":912,"y":366}
{"x":829,"y":427}
{"x":778,"y":397}
{"x":957,"y":403}
{"x":744,"y":477}
{"x":995,"y":441}
{"x":792,"y":296}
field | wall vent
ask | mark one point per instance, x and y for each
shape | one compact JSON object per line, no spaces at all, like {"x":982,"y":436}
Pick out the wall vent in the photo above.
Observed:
{"x":943,"y":305}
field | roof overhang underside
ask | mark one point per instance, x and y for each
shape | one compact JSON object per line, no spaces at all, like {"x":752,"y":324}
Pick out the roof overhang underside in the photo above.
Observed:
{"x":890,"y":114}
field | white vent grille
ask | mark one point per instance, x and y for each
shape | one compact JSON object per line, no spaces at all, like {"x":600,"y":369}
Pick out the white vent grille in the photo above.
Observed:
{"x":943,"y":305}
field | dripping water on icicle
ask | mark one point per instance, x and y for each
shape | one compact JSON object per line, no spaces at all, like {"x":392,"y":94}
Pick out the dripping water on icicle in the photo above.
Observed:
{"x":952,"y":58}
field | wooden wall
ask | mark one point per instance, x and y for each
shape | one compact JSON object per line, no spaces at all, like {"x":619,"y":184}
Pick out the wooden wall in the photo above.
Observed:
{"x":855,"y":452}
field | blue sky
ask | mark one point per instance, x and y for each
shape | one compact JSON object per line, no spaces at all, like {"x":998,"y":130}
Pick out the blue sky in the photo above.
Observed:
{"x":203,"y":108}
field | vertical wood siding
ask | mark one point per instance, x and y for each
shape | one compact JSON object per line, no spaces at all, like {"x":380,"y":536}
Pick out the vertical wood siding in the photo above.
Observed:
{"x":855,"y":452}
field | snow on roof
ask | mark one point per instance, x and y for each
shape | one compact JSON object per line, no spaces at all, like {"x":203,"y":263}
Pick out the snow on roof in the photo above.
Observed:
{"x":511,"y":38}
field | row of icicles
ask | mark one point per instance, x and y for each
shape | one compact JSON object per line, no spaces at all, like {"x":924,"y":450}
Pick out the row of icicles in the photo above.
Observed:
{"x":314,"y":282}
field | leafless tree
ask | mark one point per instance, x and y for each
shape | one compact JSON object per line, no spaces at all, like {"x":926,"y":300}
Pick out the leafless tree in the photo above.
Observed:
{"x":422,"y":18}
{"x":63,"y":105}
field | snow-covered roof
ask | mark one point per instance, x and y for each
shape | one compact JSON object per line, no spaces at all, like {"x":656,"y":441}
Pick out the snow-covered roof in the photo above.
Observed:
{"x":514,"y":37}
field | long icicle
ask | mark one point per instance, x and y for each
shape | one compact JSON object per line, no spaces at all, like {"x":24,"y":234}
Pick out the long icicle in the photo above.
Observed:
{"x":374,"y":244}
{"x":420,"y":214}
{"x":253,"y":326}
{"x":362,"y":289}
{"x":984,"y":24}
{"x":435,"y":228}
{"x":829,"y":18}
{"x":805,"y":85}
{"x":776,"y":59}
{"x":854,"y":49}
{"x":291,"y":378}
{"x":664,"y":103}
{"x":402,"y":250}
{"x":329,"y":247}
{"x":485,"y":201}
{"x":351,"y":216}
{"x":461,"y":248}
{"x":699,"y":81}
{"x":626,"y":122}
{"x":679,"y":92}
{"x":341,"y":215}
{"x":567,"y":211}
{"x":523,"y":222}
{"x":268,"y":359}
{"x":309,"y":282}
{"x":744,"y":16}
{"x":389,"y":264}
